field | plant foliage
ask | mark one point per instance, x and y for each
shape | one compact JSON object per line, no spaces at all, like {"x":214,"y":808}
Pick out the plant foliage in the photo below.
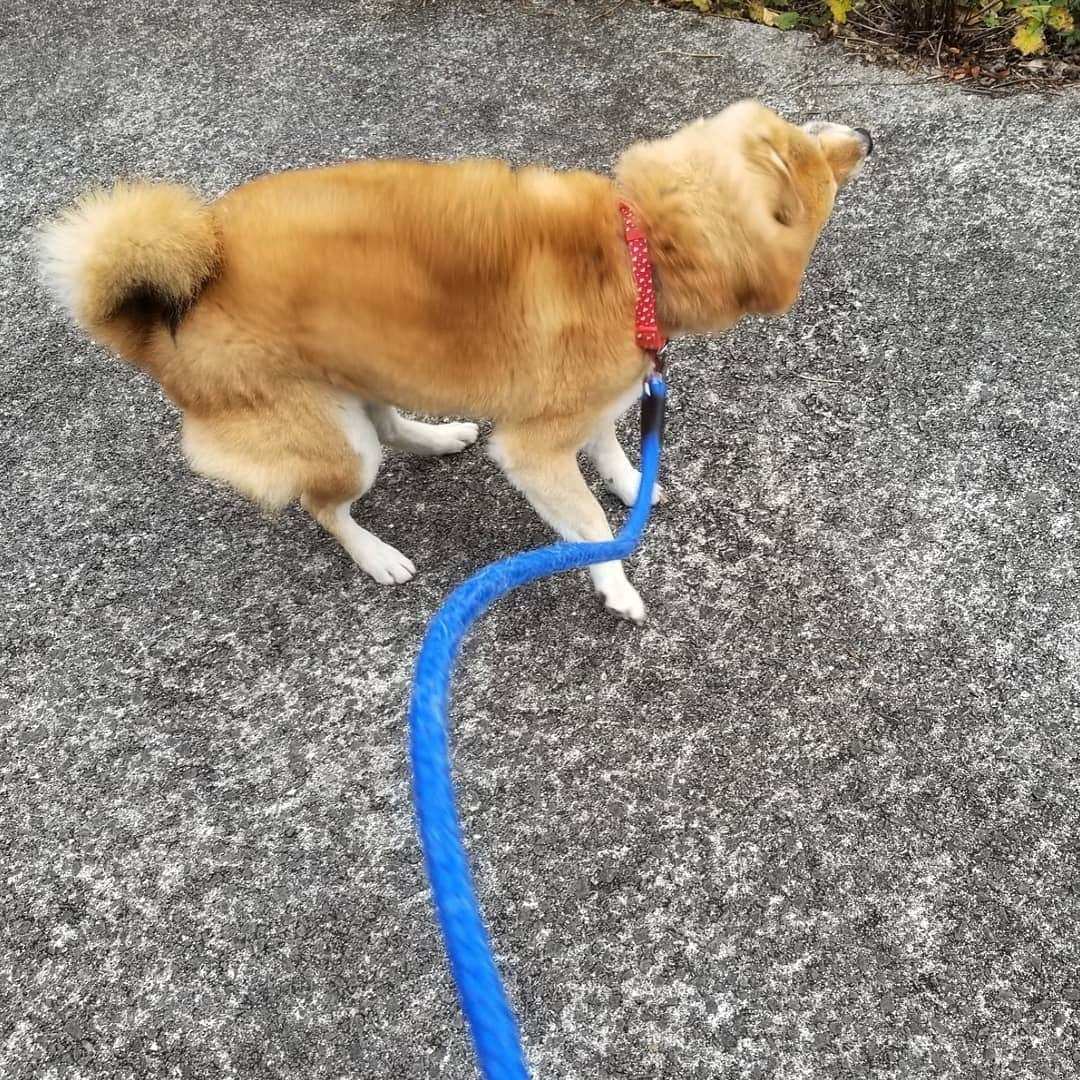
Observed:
{"x":1030,"y":28}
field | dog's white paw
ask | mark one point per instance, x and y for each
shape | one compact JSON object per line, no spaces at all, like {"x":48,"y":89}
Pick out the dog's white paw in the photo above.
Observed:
{"x":625,"y":488}
{"x":451,"y":438}
{"x":385,"y":563}
{"x":623,"y":599}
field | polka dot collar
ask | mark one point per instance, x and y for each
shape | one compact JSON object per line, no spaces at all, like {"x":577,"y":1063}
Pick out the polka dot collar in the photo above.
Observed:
{"x":646,"y":331}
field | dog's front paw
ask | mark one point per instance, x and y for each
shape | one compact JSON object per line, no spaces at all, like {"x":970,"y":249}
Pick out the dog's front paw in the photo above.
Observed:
{"x":625,"y":488}
{"x":624,"y":601}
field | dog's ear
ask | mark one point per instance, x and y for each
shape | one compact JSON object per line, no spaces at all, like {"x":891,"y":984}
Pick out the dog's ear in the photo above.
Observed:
{"x":768,"y":153}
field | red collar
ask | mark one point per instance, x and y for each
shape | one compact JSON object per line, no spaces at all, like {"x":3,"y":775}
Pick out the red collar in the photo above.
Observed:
{"x":646,"y":331}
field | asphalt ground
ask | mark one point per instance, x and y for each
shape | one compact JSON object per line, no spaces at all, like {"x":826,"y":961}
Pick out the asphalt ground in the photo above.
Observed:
{"x":818,"y":818}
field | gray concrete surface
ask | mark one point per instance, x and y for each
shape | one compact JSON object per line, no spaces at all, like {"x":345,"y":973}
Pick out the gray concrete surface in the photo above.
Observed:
{"x":819,"y":818}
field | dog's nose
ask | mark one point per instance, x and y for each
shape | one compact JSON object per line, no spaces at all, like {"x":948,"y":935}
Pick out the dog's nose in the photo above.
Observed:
{"x":867,"y":138}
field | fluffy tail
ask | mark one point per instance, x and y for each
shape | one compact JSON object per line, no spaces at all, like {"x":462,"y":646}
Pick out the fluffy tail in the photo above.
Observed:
{"x":126,"y":260}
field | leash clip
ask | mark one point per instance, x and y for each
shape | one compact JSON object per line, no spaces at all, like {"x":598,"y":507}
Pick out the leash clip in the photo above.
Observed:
{"x":659,"y":359}
{"x":653,"y":400}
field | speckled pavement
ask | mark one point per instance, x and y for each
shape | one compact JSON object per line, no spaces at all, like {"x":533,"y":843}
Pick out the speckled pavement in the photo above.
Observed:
{"x":819,"y":819}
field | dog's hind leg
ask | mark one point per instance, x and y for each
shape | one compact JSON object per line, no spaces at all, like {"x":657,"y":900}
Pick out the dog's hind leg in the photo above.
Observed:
{"x":418,"y":438}
{"x":375,"y":557}
{"x":330,"y":500}
{"x":315,"y":446}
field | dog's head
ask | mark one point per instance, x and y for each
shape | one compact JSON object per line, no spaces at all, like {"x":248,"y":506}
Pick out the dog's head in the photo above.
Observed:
{"x":734,"y":205}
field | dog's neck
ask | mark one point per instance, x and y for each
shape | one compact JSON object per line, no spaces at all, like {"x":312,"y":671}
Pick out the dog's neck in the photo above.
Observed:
{"x":694,"y":287}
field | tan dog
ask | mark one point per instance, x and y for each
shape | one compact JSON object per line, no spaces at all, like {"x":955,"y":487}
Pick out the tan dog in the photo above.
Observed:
{"x":289,"y":319}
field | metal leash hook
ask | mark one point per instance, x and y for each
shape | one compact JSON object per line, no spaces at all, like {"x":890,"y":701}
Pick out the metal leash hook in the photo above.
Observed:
{"x":483,"y":1000}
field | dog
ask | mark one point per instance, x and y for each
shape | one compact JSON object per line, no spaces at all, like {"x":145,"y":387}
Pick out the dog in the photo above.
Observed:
{"x":292,"y":318}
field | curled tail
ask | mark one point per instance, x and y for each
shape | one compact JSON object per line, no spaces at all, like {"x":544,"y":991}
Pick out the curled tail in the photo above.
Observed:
{"x":128,"y":259}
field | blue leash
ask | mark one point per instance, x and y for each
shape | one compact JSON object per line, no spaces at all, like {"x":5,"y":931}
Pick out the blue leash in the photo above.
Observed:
{"x":483,"y":999}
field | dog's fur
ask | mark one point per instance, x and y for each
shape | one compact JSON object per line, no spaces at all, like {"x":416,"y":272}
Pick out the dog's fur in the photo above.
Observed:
{"x":289,"y":319}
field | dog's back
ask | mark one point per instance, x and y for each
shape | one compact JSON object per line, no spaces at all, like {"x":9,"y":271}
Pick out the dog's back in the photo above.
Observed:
{"x":405,"y":282}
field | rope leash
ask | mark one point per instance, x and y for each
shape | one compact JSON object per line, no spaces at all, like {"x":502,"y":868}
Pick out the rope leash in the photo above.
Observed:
{"x":483,"y":1000}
